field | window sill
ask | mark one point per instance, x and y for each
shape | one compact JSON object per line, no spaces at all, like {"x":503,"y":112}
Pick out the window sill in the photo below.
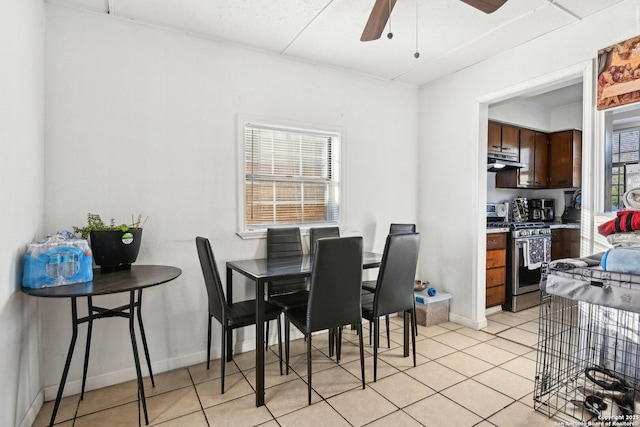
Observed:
{"x":262,"y":234}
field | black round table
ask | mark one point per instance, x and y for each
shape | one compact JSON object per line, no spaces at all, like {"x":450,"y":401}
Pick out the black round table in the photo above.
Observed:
{"x":135,"y":279}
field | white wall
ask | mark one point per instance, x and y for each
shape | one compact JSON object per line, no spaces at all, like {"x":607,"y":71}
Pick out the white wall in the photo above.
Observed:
{"x":450,"y":131}
{"x":143,"y":120}
{"x":21,"y":210}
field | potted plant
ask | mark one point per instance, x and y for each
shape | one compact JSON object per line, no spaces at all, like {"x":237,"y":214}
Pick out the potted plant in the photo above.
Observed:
{"x":114,"y":247}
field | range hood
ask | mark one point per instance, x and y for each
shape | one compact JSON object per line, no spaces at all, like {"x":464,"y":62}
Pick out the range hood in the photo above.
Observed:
{"x":496,"y":163}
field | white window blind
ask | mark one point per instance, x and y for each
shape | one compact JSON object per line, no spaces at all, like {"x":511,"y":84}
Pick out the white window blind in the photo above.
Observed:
{"x":292,"y":176}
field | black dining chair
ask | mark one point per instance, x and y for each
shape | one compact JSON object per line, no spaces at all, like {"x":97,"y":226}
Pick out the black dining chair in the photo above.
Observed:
{"x":394,"y":287}
{"x":287,"y":293}
{"x":334,"y":295}
{"x":230,"y":315}
{"x":370,"y":285}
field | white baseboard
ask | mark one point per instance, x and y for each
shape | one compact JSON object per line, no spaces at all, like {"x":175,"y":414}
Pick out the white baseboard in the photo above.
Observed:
{"x":469,"y":323}
{"x":30,"y":417}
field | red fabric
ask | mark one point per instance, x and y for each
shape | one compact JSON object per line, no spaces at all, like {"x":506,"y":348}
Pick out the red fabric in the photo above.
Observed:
{"x":624,"y":222}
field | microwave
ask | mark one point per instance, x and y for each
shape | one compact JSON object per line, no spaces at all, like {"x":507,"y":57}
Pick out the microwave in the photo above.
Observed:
{"x":498,"y":211}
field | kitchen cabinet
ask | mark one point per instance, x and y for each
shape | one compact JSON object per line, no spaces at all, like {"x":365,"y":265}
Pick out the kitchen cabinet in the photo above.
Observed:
{"x":565,"y":243}
{"x":534,"y":155}
{"x":565,"y":159}
{"x":496,"y":269}
{"x":503,"y":139}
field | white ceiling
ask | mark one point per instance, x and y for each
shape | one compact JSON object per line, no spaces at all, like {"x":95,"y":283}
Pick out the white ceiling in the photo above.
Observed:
{"x":451,"y":35}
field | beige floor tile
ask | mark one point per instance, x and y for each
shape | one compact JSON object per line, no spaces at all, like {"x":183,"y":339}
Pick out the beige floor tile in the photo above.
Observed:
{"x":528,"y":314}
{"x":395,"y":419}
{"x":465,"y":364}
{"x":477,"y":335}
{"x":435,"y":375}
{"x":477,"y":398}
{"x":507,"y":319}
{"x":519,"y":415}
{"x":319,"y":362}
{"x":168,"y":381}
{"x":272,"y":423}
{"x":450,"y":325}
{"x":484,"y":423}
{"x":395,"y":357}
{"x":433,"y":349}
{"x":248,"y":360}
{"x":196,"y":419}
{"x":506,"y":382}
{"x":401,"y":389}
{"x":532,"y":327}
{"x":490,"y":354}
{"x":272,"y":375}
{"x":520,"y":336}
{"x":333,"y":381}
{"x":384,"y":369}
{"x":494,"y":327}
{"x":172,"y":404}
{"x":360,"y":406}
{"x":121,"y":416}
{"x":521,"y":366}
{"x":235,"y":386}
{"x":511,"y":346}
{"x":437,"y":410}
{"x":238,"y":413}
{"x":200,"y":373}
{"x":288,"y":397}
{"x":532,"y":355}
{"x":66,"y":411}
{"x":317,"y":415}
{"x":431,"y":331}
{"x":456,"y":340}
{"x":108,"y":397}
{"x":398,"y":337}
{"x":349,"y":352}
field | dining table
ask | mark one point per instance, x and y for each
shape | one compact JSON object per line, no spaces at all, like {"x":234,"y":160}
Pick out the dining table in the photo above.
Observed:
{"x":132,"y":280}
{"x":262,"y":271}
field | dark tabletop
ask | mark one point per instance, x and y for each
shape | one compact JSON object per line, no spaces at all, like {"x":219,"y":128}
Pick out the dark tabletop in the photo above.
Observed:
{"x":140,"y":276}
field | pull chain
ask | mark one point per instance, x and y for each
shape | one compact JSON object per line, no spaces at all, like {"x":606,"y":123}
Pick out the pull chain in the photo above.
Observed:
{"x":389,"y":34}
{"x":417,"y":54}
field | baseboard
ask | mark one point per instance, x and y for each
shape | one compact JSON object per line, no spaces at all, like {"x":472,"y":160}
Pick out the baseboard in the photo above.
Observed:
{"x":30,"y":417}
{"x":469,"y":323}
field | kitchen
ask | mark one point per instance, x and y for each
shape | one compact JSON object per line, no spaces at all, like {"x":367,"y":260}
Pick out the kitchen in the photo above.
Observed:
{"x":533,"y":192}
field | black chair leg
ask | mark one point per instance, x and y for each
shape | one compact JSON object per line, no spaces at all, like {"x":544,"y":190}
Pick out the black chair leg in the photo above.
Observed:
{"x":331,"y":341}
{"x":413,"y":336}
{"x":370,"y":330}
{"x":280,"y":344}
{"x":287,"y":329}
{"x":359,"y":329}
{"x":309,"y":366}
{"x":414,"y":315}
{"x":376,"y":341}
{"x":266,"y":341}
{"x":222,"y":359}
{"x":339,"y":344}
{"x":209,"y":343}
{"x":386,"y":320}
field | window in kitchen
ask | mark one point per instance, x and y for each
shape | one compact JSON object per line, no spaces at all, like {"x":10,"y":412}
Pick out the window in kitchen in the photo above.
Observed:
{"x":291,"y":177}
{"x":625,"y":155}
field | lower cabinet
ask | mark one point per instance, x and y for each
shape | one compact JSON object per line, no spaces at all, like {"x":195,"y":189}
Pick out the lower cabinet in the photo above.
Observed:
{"x":565,"y":243}
{"x":496,"y":291}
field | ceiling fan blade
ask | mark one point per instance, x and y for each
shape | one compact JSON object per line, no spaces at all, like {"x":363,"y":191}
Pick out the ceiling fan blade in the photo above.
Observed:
{"x":377,"y":20}
{"x":487,"y":6}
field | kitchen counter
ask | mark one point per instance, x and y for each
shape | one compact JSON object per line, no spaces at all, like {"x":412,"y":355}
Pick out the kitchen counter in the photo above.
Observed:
{"x":498,"y":230}
{"x":557,"y":225}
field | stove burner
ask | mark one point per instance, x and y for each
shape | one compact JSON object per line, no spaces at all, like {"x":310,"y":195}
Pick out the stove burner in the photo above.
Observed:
{"x":522,"y":229}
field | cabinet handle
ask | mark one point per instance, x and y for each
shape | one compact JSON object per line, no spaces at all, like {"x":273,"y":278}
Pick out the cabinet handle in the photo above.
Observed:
{"x":495,"y":146}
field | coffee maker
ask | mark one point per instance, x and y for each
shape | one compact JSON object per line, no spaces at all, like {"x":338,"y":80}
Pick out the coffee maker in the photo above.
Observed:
{"x":572,"y":203}
{"x":542,"y":209}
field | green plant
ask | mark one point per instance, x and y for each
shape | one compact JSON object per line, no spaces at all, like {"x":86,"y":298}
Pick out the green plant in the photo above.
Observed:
{"x":95,"y":223}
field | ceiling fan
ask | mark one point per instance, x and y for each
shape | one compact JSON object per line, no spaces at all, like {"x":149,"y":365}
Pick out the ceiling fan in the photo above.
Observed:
{"x":382,"y":10}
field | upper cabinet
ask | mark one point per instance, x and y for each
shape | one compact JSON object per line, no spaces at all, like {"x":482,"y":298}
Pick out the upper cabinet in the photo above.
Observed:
{"x":565,"y":159}
{"x":503,"y":139}
{"x":550,"y":160}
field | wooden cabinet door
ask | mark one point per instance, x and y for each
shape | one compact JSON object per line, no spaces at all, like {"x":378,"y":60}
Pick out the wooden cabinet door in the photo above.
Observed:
{"x":510,"y":140}
{"x":494,"y":139}
{"x":541,"y":172}
{"x":527,"y":174}
{"x":560,"y":160}
{"x":573,"y":240}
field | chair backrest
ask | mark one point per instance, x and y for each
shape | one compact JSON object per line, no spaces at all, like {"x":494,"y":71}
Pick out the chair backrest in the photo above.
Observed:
{"x":284,"y":242}
{"x":320,"y":233}
{"x":394,"y":288}
{"x":217,"y":301}
{"x":402,"y":228}
{"x":336,"y":278}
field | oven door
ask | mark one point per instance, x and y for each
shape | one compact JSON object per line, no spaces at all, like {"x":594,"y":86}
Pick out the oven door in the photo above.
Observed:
{"x":524,"y":280}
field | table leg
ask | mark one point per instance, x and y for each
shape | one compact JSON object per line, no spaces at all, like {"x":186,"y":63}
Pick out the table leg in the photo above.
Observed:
{"x":229,"y":301}
{"x":259,"y":342}
{"x":134,"y":346}
{"x":406,"y":334}
{"x":144,"y":337}
{"x":63,"y":380}
{"x":88,"y":345}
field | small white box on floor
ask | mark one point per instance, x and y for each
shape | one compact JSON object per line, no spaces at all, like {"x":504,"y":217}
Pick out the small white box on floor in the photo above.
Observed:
{"x":433,"y":310}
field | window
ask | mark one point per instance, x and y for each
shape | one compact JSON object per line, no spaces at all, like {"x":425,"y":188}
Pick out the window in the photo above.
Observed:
{"x":625,"y":152}
{"x":291,"y":177}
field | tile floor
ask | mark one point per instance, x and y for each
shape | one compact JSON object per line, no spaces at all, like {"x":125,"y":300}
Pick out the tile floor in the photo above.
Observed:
{"x":463,"y":378}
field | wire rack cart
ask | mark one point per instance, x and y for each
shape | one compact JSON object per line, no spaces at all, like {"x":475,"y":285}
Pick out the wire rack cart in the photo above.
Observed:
{"x":588,"y":355}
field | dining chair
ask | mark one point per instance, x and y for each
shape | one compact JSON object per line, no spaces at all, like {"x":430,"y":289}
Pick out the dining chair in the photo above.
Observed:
{"x":334,"y":296}
{"x":287,"y":293}
{"x":394,"y":287}
{"x":230,"y":315}
{"x":370,"y":285}
{"x":316,"y":233}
